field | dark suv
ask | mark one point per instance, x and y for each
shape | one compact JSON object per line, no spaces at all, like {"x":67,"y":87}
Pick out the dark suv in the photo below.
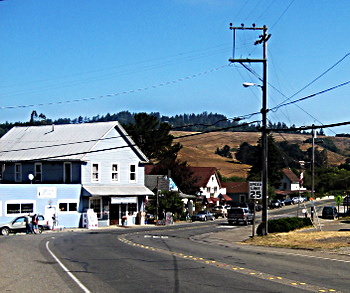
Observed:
{"x":239,"y":215}
{"x":329,"y":212}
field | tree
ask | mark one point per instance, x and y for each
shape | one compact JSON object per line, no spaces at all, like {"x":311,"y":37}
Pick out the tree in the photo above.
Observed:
{"x":36,"y":119}
{"x":274,"y":163}
{"x":168,"y":201}
{"x":153,"y":137}
{"x":338,"y":200}
{"x":181,"y":174}
{"x":245,"y":153}
{"x":224,"y":152}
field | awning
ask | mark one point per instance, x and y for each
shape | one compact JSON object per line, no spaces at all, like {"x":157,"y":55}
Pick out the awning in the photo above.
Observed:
{"x":224,"y":197}
{"x":115,"y":190}
{"x":212,"y":199}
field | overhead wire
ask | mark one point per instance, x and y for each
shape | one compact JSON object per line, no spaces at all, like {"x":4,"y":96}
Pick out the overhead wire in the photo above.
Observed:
{"x":119,"y":93}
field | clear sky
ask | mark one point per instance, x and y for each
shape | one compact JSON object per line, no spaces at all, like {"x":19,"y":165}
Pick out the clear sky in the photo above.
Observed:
{"x":70,"y":58}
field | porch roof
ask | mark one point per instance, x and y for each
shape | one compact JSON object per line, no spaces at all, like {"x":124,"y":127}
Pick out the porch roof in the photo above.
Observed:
{"x":107,"y":190}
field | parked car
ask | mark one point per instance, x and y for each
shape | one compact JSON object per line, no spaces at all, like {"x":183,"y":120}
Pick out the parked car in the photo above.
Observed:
{"x":299,"y":199}
{"x":44,"y":223}
{"x":329,"y":212}
{"x":203,"y":216}
{"x":219,"y":211}
{"x":239,"y":215}
{"x":288,"y":201}
{"x":258,"y":207}
{"x":275,"y":203}
{"x":18,"y":225}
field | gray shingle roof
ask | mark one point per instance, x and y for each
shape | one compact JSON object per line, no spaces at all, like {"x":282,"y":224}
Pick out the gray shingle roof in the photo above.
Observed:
{"x":55,"y":142}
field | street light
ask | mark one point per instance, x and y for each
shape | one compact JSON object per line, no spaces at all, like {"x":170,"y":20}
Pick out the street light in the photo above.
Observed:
{"x":264,"y":216}
{"x":248,"y":84}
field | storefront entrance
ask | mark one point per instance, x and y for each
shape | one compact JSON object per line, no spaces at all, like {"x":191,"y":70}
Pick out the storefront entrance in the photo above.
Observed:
{"x":122,"y":207}
{"x":114,"y":214}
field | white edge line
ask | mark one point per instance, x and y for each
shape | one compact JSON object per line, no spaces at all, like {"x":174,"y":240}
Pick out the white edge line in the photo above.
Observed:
{"x":75,"y":279}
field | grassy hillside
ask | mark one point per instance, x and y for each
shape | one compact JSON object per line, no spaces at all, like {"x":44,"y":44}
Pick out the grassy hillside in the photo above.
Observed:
{"x":199,"y":150}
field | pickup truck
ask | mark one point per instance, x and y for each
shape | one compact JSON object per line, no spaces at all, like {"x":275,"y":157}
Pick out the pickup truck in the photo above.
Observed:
{"x":239,"y":215}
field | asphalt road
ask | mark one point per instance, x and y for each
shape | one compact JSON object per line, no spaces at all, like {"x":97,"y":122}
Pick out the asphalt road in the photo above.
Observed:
{"x":191,"y":257}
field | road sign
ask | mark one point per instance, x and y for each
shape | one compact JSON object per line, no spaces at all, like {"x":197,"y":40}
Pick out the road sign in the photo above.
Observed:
{"x":255,"y":189}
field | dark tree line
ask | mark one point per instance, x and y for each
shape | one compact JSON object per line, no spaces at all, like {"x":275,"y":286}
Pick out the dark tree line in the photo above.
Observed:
{"x":185,"y":122}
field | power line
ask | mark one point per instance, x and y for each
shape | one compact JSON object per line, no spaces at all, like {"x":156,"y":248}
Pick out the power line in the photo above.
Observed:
{"x":119,"y":93}
{"x":310,"y":96}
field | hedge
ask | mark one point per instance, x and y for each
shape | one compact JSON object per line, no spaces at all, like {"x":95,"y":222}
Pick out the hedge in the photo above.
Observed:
{"x":284,"y":225}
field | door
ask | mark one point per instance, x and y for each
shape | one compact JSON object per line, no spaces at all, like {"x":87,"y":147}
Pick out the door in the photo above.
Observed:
{"x":51,"y":216}
{"x":113,"y":214}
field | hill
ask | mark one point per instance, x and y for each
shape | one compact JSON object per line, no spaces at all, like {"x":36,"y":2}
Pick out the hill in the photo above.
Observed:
{"x":199,"y":150}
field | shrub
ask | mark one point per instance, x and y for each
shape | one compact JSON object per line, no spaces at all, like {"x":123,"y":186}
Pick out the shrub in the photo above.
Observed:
{"x":284,"y":225}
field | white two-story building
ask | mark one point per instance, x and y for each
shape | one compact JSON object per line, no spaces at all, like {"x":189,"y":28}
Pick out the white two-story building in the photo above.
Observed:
{"x":63,"y":170}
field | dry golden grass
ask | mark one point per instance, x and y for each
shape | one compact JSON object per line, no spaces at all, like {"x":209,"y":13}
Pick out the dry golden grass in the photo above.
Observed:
{"x":304,"y":240}
{"x":199,"y":151}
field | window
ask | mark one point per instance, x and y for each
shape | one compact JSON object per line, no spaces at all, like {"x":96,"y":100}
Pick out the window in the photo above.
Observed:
{"x":67,"y":172}
{"x":68,"y":206}
{"x":17,"y":207}
{"x":96,"y":205}
{"x":18,"y":172}
{"x":38,"y":172}
{"x":95,"y":172}
{"x":208,"y":189}
{"x":215,"y":189}
{"x":115,"y":176}
{"x":132,"y":172}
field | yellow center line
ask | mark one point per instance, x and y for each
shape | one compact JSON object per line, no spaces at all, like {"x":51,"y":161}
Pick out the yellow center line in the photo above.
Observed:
{"x":241,"y":270}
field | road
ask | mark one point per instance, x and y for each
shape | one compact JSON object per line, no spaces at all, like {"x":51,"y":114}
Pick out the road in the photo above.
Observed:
{"x":175,"y":258}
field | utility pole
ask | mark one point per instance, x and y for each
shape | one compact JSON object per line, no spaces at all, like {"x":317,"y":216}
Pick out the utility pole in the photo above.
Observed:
{"x":313,"y":163}
{"x":263,"y":40}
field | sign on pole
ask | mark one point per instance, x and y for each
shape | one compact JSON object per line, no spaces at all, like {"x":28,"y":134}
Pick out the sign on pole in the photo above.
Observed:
{"x":255,"y":189}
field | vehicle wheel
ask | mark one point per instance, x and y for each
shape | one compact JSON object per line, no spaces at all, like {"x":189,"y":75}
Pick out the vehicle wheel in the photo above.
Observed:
{"x":205,"y":218}
{"x":5,"y":231}
{"x":40,"y":229}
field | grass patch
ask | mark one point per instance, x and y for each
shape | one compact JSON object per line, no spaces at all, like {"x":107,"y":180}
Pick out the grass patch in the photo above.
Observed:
{"x":304,"y":240}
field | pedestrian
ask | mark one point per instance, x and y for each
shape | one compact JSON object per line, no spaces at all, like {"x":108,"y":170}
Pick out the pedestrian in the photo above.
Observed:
{"x":29,"y":229}
{"x":35,"y":224}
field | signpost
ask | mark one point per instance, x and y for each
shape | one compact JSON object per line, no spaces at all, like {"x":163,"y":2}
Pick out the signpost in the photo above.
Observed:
{"x":255,"y":193}
{"x":255,"y":190}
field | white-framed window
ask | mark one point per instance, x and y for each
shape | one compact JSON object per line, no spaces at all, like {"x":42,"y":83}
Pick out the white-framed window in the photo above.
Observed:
{"x":95,"y":172}
{"x":38,"y":172}
{"x":95,"y":203}
{"x":208,"y":189}
{"x":115,"y":172}
{"x":18,"y":172}
{"x":67,"y":206}
{"x":19,"y":207}
{"x":132,"y":173}
{"x":67,"y":172}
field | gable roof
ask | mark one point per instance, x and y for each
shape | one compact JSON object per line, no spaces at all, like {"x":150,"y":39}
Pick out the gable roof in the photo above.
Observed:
{"x":58,"y":142}
{"x":236,"y":187}
{"x":203,"y":175}
{"x":290,"y":175}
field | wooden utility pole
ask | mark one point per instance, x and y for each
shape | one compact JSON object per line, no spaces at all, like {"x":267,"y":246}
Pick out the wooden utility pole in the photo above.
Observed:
{"x":263,"y":40}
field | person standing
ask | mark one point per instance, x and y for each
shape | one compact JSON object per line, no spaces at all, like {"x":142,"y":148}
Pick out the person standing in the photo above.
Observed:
{"x":35,"y":224}
{"x":29,"y":229}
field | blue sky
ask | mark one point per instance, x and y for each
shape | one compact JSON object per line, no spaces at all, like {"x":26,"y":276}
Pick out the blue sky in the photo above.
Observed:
{"x":70,"y":58}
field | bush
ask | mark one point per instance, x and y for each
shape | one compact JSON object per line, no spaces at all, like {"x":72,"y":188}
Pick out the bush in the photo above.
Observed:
{"x":284,"y":225}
